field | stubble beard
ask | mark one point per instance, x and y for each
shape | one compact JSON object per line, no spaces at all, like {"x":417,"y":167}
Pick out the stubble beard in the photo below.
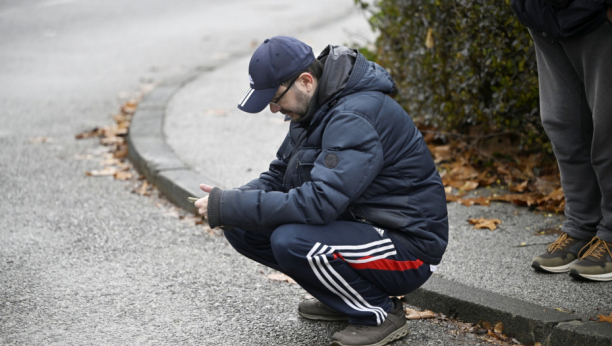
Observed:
{"x":303,"y":101}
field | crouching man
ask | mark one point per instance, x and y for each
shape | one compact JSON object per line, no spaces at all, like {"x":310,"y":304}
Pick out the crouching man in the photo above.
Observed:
{"x":353,"y":208}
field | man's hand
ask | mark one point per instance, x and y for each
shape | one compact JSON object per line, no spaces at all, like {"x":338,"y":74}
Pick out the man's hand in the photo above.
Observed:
{"x":610,"y":14}
{"x":202,"y":203}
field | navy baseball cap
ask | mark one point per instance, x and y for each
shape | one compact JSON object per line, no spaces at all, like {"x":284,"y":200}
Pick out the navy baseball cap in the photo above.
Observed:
{"x":274,"y":62}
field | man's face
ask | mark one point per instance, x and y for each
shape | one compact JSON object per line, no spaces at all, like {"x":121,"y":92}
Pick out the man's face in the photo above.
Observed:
{"x":294,"y":102}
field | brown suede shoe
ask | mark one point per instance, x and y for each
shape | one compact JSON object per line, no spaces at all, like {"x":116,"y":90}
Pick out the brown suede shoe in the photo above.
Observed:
{"x":560,"y":255}
{"x":313,"y":309}
{"x":595,"y":262}
{"x":394,"y":327}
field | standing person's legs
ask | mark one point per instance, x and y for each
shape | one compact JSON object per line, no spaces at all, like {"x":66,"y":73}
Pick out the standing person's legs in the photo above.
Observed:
{"x":576,"y":103}
{"x":592,"y":57}
{"x":566,"y":118}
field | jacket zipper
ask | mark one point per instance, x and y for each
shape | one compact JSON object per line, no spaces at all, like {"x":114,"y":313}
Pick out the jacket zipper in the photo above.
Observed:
{"x":294,"y":154}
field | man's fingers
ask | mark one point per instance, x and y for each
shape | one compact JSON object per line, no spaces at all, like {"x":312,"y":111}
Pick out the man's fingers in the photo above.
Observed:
{"x":206,"y":188}
{"x":202,"y":203}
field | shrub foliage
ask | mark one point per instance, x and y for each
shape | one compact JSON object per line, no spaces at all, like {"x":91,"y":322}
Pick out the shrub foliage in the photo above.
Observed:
{"x":461,"y":65}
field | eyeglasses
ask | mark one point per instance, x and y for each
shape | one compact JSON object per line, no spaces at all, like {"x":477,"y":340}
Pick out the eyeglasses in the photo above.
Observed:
{"x":275,"y":103}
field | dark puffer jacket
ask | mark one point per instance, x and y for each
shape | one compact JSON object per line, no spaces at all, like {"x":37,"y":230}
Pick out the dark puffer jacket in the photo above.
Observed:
{"x":357,"y":156}
{"x":558,"y":19}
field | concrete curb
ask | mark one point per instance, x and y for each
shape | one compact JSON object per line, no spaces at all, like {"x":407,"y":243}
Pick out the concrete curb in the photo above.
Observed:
{"x":527,"y":322}
{"x":149,"y":152}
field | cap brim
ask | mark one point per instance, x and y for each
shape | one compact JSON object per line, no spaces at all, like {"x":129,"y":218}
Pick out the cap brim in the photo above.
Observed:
{"x":254,"y":101}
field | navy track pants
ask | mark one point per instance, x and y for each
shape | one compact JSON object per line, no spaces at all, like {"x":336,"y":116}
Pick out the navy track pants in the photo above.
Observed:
{"x":352,"y":267}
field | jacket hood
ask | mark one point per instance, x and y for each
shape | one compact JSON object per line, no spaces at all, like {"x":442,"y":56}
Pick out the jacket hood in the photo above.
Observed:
{"x":346,"y":71}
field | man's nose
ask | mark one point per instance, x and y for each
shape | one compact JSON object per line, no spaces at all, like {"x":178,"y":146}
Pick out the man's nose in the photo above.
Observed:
{"x":274,"y":108}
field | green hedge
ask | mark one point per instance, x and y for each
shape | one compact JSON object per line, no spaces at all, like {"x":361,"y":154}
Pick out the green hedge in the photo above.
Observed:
{"x":459,"y":64}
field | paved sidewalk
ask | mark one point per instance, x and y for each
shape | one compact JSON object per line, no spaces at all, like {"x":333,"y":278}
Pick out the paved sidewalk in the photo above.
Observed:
{"x":202,"y":137}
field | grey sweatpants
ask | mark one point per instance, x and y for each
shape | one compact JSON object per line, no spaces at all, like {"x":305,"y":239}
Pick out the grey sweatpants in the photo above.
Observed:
{"x":575,"y":77}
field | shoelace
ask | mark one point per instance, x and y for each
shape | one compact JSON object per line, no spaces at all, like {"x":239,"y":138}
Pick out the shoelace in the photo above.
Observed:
{"x":560,"y":243}
{"x":595,"y":248}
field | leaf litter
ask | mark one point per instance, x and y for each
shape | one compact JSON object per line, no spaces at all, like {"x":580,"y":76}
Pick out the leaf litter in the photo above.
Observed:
{"x":468,"y":162}
{"x":491,"y":333}
{"x":115,"y":163}
{"x":478,"y":170}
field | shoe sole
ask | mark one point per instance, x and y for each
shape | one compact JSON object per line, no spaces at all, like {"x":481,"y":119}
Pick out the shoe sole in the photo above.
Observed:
{"x":559,"y":269}
{"x":396,"y":335}
{"x":323,"y":317}
{"x":599,"y":277}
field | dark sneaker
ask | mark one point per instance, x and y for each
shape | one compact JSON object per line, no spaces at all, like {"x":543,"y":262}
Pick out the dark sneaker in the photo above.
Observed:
{"x":559,"y":255}
{"x":313,"y":309}
{"x":595,"y":262}
{"x":394,"y":327}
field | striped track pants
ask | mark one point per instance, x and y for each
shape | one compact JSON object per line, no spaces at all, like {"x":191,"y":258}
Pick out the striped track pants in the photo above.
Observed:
{"x":351,"y":267}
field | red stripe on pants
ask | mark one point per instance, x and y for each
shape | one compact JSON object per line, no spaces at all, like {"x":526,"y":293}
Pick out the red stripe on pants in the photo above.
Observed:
{"x":384,"y":264}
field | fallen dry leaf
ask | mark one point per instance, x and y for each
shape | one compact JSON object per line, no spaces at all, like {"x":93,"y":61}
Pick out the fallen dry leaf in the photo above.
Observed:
{"x":520,"y":187}
{"x":481,"y":223}
{"x":486,"y":325}
{"x":88,"y":134}
{"x":486,"y":179}
{"x":112,"y":140}
{"x":413,"y":314}
{"x":469,"y":186}
{"x":143,"y":188}
{"x":123,"y":175}
{"x":452,"y":198}
{"x":604,"y":318}
{"x":129,"y":107}
{"x":280,"y":277}
{"x":103,"y":172}
{"x":122,"y":153}
{"x":448,"y":190}
{"x":561,"y":310}
{"x":442,"y":153}
{"x":537,"y":344}
{"x":468,"y":202}
{"x":499,"y":327}
{"x":519,"y":199}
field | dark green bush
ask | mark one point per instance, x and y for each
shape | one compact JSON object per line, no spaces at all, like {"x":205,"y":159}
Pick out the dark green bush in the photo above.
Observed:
{"x":477,"y":68}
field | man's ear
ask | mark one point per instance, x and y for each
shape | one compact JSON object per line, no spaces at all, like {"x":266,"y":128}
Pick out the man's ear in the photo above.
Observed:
{"x":307,"y":80}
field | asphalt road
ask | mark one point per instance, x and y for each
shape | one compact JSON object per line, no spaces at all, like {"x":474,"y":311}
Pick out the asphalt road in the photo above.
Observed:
{"x":83,"y":261}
